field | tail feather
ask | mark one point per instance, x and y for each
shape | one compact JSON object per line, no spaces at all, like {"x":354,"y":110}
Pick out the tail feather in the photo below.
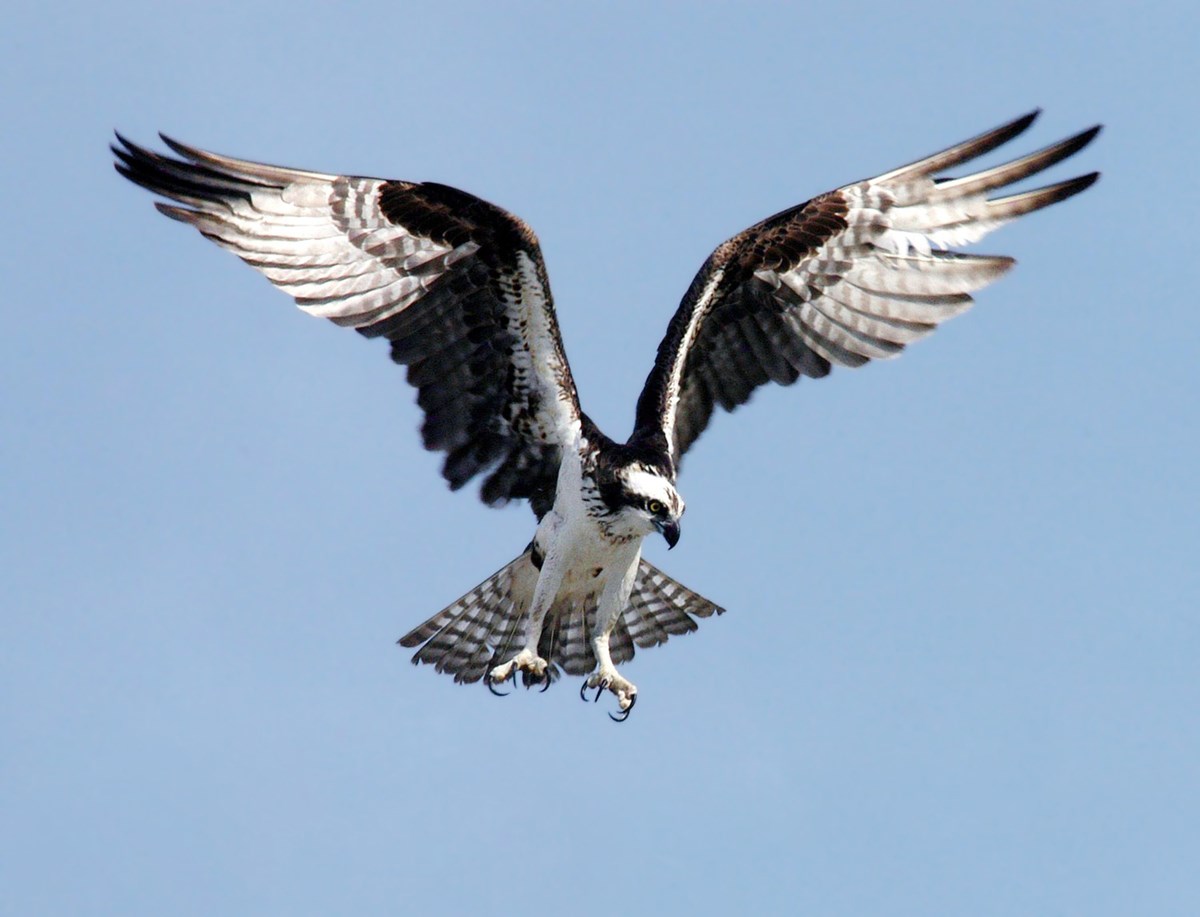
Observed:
{"x":466,"y":635}
{"x":661,"y":606}
{"x":487,"y":625}
{"x":620,"y":644}
{"x":574,"y":650}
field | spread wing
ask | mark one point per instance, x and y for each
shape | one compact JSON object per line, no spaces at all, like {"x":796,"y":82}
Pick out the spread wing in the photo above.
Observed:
{"x":456,"y":284}
{"x":851,"y":276}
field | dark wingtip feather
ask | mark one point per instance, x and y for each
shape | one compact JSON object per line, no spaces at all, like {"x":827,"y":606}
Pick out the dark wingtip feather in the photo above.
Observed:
{"x":1052,"y":194}
{"x":1016,"y":205}
{"x":1082,"y":183}
{"x":1014,"y":171}
{"x":122,"y":140}
{"x":1089,"y":135}
{"x":1073,"y":145}
{"x":1004,"y":133}
{"x":181,"y":149}
{"x":1014,"y":128}
{"x":966,"y":150}
{"x":175,"y":178}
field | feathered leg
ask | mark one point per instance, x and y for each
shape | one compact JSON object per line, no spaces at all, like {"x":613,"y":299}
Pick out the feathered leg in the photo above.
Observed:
{"x":528,"y":660}
{"x":613,"y":600}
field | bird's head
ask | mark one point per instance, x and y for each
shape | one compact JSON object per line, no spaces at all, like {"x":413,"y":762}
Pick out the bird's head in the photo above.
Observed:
{"x":646,"y":501}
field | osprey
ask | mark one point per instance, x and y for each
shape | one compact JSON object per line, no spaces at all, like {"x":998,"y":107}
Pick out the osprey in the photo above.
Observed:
{"x":458,"y":287}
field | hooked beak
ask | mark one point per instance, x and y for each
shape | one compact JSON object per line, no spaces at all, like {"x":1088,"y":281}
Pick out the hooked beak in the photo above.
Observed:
{"x":670,"y":531}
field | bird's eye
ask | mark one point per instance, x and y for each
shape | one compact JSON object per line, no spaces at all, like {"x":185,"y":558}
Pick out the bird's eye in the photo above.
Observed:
{"x":655,"y":507}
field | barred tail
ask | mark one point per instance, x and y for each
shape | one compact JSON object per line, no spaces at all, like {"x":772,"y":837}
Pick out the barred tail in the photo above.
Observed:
{"x":483,"y":628}
{"x":659,"y":607}
{"x":487,"y":625}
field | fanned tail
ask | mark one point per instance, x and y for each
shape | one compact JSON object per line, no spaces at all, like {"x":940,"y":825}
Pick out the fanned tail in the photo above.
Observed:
{"x":660,"y":607}
{"x":486,"y":627}
{"x":469,"y":636}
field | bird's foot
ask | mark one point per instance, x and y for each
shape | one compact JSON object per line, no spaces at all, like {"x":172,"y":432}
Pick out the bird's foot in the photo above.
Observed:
{"x":534,"y":668}
{"x":624,"y":690}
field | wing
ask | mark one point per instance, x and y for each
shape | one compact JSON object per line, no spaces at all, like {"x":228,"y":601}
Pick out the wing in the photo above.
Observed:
{"x":848,"y":277}
{"x":456,"y":284}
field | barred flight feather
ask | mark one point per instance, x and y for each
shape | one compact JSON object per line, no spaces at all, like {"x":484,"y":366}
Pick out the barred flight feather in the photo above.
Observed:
{"x":851,"y":276}
{"x":456,"y":285}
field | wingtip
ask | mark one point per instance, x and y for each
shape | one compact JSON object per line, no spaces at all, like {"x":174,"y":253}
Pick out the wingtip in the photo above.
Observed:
{"x":182,"y":214}
{"x":172,"y":143}
{"x":1074,"y":144}
{"x":1028,"y":118}
{"x":1083,"y":138}
{"x":123,"y":145}
{"x":1074,"y":186}
{"x":128,"y":151}
{"x":1016,"y":205}
{"x":1019,"y":125}
{"x":1001,"y":265}
{"x":965,"y":151}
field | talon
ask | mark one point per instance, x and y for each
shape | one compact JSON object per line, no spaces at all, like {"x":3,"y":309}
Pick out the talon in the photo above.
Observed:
{"x":491,"y":686}
{"x":583,"y":688}
{"x":624,"y":715}
{"x":532,"y":677}
{"x":600,"y":689}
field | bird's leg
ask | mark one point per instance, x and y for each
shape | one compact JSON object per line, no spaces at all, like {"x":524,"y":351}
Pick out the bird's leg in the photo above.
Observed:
{"x":528,"y":660}
{"x":606,"y":678}
{"x":525,"y":661}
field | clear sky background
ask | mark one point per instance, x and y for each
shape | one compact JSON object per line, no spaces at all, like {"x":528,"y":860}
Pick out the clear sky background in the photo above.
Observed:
{"x":958,"y":674}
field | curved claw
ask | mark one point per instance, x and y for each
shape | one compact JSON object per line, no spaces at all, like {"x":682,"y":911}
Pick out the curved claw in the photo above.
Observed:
{"x":583,"y":688}
{"x":545,"y":683}
{"x":600,"y":689}
{"x":491,"y":686}
{"x":624,"y":715}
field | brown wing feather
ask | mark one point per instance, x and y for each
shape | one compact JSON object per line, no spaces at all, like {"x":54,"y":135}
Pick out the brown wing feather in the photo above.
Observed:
{"x":456,"y":284}
{"x":848,"y":277}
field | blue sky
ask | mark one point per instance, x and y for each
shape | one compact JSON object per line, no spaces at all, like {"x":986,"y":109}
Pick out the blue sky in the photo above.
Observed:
{"x":958,"y":671}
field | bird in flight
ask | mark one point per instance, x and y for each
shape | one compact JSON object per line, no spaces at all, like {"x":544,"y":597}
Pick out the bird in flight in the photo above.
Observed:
{"x":458,"y":287}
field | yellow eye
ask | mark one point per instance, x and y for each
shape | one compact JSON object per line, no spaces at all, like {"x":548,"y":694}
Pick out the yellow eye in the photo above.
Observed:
{"x":655,"y":507}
